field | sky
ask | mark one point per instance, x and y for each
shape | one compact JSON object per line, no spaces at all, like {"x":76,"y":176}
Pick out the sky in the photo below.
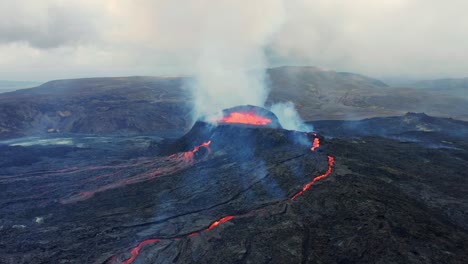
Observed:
{"x":42,"y":40}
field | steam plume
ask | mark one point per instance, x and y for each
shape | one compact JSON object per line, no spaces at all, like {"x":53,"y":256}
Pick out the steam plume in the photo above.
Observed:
{"x":289,"y":117}
{"x":231,"y":60}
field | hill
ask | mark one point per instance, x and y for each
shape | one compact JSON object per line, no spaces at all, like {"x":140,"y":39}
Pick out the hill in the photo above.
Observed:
{"x":322,"y":94}
{"x":127,"y":105}
{"x":396,"y":126}
{"x":453,"y":86}
{"x":141,"y":105}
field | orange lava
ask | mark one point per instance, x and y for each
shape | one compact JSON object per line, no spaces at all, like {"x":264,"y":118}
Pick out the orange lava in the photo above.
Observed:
{"x":315,"y":144}
{"x":179,"y":162}
{"x":220,"y":221}
{"x":189,"y":155}
{"x":193,"y":234}
{"x":331,"y":161}
{"x":249,"y":118}
{"x":136,"y":250}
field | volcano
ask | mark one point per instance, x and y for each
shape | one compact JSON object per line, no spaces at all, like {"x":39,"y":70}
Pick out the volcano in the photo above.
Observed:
{"x":233,"y":192}
{"x":248,"y":115}
{"x":264,"y":165}
{"x":240,"y":167}
{"x":238,"y":125}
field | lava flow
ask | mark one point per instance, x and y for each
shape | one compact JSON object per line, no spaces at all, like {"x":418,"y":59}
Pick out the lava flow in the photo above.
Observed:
{"x":136,"y":250}
{"x":176,"y":163}
{"x":220,"y":221}
{"x":315,"y":144}
{"x":248,"y":118}
{"x":190,"y":155}
{"x":331,"y":161}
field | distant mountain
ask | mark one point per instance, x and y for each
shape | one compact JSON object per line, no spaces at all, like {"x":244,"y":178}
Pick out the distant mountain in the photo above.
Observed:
{"x":324,"y":94}
{"x":396,"y":126}
{"x":442,"y":83}
{"x":456,"y":87}
{"x":8,"y":86}
{"x":129,"y":105}
{"x":321,"y":77}
{"x":139,"y":105}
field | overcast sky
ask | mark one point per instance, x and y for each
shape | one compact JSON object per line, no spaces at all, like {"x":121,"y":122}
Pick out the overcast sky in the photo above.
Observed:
{"x":54,"y":39}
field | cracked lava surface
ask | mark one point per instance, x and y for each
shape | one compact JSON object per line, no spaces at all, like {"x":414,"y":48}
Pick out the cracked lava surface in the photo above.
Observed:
{"x":234,"y":175}
{"x":136,"y":250}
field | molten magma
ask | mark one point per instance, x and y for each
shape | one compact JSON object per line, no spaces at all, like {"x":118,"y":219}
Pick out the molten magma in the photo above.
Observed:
{"x":174,"y":164}
{"x":248,"y":118}
{"x":220,"y":221}
{"x":315,"y":144}
{"x":331,"y":161}
{"x":136,"y":250}
{"x":189,"y":155}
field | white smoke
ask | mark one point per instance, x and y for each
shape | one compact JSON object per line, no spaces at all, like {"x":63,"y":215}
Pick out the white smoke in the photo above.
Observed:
{"x":289,"y":117}
{"x":231,"y":60}
{"x":52,"y":39}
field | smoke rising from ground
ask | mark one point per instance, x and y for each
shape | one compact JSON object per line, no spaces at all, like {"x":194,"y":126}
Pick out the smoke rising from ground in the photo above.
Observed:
{"x":289,"y":117}
{"x":230,"y":53}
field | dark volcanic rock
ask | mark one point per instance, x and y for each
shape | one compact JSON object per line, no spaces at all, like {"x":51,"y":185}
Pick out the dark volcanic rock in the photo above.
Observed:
{"x":386,"y":201}
{"x":100,"y":211}
{"x":397,"y":126}
{"x":132,"y":105}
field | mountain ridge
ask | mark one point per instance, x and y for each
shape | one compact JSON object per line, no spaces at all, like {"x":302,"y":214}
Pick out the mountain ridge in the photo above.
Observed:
{"x":145,"y":104}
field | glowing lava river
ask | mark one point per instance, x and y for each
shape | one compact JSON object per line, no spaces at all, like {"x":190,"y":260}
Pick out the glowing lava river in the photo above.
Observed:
{"x":118,"y":210}
{"x":224,"y":219}
{"x":232,"y":192}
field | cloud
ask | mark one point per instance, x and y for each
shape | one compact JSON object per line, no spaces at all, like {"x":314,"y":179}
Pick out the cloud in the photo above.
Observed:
{"x":419,"y":38}
{"x":52,"y":39}
{"x":49,"y":23}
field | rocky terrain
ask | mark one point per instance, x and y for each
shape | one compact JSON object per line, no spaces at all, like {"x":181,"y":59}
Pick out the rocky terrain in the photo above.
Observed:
{"x":143,"y":105}
{"x":323,"y":94}
{"x":396,"y":126}
{"x":99,"y":106}
{"x":240,"y":194}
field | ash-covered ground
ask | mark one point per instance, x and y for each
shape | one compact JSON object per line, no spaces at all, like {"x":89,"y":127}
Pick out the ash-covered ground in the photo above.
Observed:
{"x":224,"y":195}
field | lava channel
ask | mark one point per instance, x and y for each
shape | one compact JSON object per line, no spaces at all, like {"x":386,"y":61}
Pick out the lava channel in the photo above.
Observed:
{"x":331,"y":161}
{"x":172,"y":164}
{"x":315,"y":143}
{"x":136,"y":250}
